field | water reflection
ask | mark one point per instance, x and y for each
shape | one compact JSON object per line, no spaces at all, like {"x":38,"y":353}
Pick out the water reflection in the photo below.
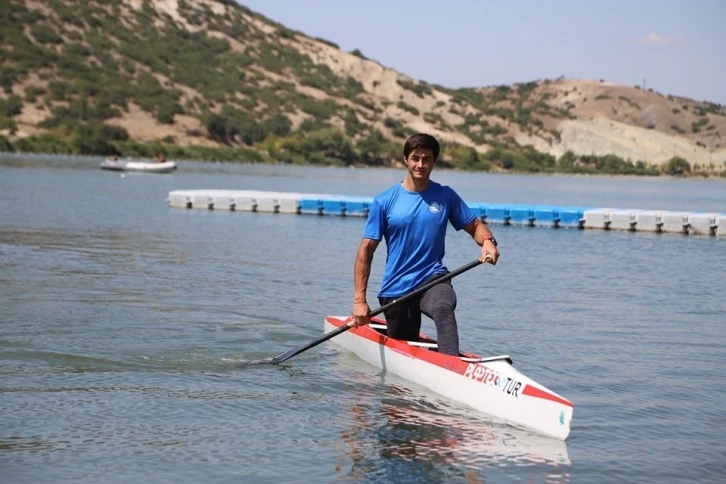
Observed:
{"x":402,"y":436}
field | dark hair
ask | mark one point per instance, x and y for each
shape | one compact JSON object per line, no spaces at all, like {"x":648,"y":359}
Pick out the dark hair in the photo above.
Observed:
{"x":421,"y":141}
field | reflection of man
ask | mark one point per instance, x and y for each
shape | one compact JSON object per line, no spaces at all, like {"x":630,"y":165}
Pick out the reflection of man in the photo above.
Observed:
{"x":352,"y":436}
{"x":392,"y":442}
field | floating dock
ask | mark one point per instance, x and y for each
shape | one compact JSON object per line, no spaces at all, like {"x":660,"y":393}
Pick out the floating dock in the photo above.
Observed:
{"x":633,"y":220}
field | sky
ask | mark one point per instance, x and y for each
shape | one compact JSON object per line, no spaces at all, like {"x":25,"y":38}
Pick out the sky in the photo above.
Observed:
{"x":673,"y":46}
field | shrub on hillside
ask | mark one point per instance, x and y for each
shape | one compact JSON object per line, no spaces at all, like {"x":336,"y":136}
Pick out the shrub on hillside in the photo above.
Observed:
{"x":376,"y":149}
{"x":408,"y":108}
{"x":45,"y":34}
{"x":313,"y":124}
{"x":286,"y":33}
{"x":327,"y":42}
{"x":166,"y":110}
{"x":677,"y":166}
{"x":235,"y":126}
{"x":463,"y":157}
{"x":525,"y":89}
{"x":353,"y":126}
{"x":8,"y":124}
{"x":420,"y":89}
{"x":324,"y":109}
{"x":11,"y":106}
{"x":5,"y":145}
{"x":43,"y":143}
{"x":32,"y":93}
{"x":609,"y":164}
{"x":397,"y":128}
{"x":76,"y":50}
{"x":328,"y":146}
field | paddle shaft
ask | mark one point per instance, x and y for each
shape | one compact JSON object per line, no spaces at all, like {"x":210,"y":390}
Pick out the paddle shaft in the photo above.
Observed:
{"x":444,"y":277}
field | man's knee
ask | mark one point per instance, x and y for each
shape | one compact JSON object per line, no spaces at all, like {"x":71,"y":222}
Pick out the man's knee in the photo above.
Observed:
{"x":443,"y":308}
{"x":441,"y":300}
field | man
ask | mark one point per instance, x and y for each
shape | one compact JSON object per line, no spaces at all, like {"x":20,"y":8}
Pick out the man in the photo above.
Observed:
{"x":412,"y":217}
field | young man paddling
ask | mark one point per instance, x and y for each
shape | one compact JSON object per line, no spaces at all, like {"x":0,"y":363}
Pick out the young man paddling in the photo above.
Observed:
{"x":412,"y":217}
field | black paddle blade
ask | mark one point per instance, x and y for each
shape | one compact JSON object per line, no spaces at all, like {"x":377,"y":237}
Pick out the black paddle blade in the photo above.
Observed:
{"x":276,"y":360}
{"x":289,"y":354}
{"x":285,"y":356}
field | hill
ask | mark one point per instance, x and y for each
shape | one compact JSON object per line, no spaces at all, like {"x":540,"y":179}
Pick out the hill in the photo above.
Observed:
{"x":214,"y":80}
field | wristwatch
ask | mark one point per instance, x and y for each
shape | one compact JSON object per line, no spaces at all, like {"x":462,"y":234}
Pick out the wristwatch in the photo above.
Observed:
{"x":490,"y":237}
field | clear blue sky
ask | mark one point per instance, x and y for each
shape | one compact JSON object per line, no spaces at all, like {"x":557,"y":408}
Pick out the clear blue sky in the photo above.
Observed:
{"x":677,"y":46}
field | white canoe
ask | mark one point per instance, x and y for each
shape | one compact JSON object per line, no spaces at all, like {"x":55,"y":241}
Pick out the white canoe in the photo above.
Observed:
{"x":490,"y":385}
{"x":147,"y":167}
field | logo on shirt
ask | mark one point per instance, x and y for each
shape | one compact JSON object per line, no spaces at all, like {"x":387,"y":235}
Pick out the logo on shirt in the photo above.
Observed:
{"x":434,"y":207}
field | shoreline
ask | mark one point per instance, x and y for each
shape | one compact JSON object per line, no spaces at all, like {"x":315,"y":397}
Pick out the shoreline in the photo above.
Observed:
{"x":5,"y":155}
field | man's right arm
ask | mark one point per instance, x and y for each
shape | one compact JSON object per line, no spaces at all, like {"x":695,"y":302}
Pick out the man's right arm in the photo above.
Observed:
{"x":361,"y":273}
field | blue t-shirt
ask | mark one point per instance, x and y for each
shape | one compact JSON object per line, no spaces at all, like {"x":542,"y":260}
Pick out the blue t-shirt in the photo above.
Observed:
{"x":414,"y":227}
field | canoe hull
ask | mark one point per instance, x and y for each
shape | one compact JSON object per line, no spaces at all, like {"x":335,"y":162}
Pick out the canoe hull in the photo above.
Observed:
{"x":494,"y":388}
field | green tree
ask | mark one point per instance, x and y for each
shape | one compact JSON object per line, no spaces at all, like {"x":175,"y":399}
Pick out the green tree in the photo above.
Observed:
{"x":677,"y":166}
{"x":166,"y":111}
{"x":11,"y":106}
{"x":5,"y":144}
{"x":8,"y":123}
{"x":461,"y":156}
{"x":327,"y":146}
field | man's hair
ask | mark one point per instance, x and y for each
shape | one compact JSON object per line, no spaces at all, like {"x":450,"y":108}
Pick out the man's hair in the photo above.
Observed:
{"x":421,"y":141}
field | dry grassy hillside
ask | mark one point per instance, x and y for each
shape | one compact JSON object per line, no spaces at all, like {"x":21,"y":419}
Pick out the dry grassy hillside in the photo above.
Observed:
{"x":212,"y":73}
{"x":634,"y":123}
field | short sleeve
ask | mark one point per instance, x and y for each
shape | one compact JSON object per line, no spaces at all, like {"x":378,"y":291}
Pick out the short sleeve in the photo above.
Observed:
{"x":460,"y":215}
{"x":376,"y":222}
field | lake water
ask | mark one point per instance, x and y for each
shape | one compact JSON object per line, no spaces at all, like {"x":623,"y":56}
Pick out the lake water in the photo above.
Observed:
{"x":121,"y":320}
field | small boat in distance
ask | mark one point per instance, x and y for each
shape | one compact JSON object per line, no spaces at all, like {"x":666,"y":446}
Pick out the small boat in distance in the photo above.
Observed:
{"x":161,"y":165}
{"x":490,"y":385}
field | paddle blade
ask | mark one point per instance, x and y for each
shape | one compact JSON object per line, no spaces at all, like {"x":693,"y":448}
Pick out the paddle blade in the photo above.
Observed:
{"x":276,"y":360}
{"x":287,"y":355}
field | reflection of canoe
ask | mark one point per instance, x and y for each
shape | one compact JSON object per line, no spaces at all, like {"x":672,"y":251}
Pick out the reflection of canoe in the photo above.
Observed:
{"x":490,"y":385}
{"x":149,"y":167}
{"x":476,"y":441}
{"x":436,"y":426}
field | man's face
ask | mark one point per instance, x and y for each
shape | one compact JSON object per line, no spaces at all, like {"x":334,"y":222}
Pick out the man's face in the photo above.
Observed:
{"x":420,"y":162}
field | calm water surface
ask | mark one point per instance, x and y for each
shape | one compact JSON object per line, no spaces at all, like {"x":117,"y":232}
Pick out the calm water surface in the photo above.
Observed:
{"x":121,"y":321}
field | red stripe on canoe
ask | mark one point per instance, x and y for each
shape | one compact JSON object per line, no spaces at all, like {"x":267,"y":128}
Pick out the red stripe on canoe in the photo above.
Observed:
{"x":451,"y":363}
{"x":531,"y":391}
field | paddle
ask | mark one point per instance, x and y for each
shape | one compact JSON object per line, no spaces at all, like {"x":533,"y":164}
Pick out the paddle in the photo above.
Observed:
{"x":276,"y":360}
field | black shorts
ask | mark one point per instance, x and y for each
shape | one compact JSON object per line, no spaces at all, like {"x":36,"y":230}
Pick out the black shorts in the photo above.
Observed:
{"x":404,"y":320}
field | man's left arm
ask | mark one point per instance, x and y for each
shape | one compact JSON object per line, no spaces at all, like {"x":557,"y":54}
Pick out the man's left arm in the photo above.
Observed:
{"x":461,"y":214}
{"x":483,"y":237}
